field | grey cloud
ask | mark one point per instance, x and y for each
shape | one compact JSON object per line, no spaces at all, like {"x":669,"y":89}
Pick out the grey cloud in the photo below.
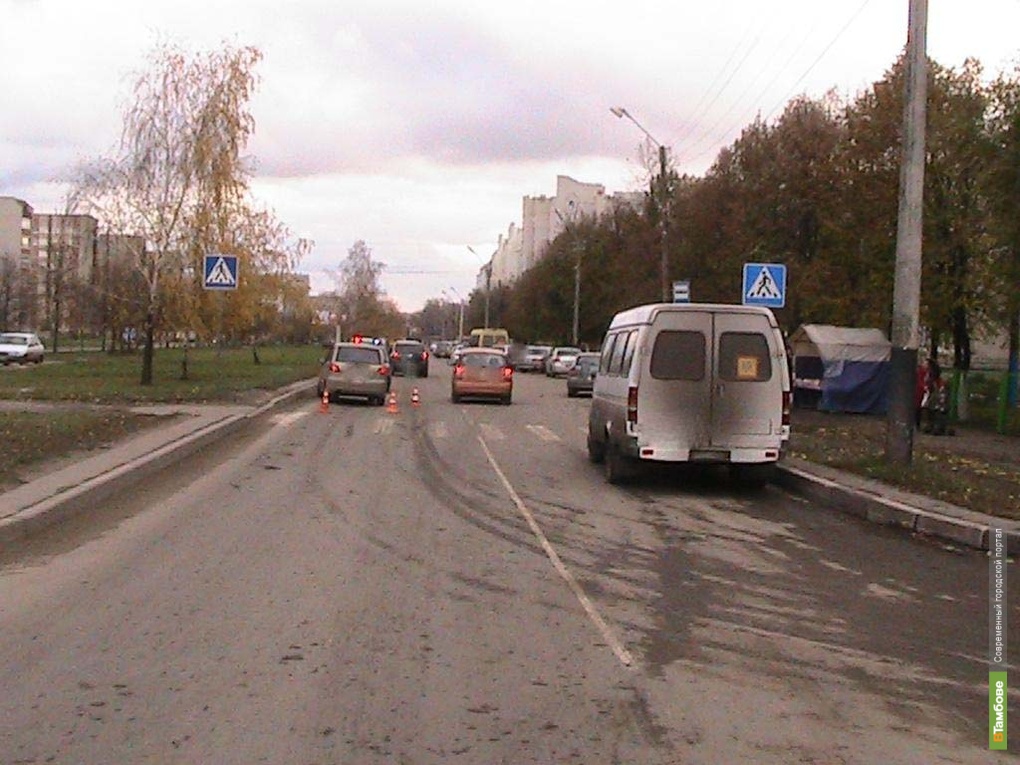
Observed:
{"x":442,"y":90}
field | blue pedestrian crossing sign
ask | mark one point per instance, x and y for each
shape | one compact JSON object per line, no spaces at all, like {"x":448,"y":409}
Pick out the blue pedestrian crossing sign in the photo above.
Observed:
{"x":220,"y":272}
{"x":765,"y":284}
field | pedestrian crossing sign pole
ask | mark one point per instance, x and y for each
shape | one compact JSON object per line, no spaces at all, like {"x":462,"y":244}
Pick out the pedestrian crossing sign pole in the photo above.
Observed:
{"x":764,"y":284}
{"x":220,"y":272}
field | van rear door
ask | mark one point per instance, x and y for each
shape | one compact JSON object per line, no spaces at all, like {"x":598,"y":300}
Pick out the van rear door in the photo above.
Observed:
{"x":674,"y":405}
{"x":747,"y":389}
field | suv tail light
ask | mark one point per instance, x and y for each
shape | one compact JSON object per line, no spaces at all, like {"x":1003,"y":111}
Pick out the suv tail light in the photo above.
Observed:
{"x":384,"y":370}
{"x":334,"y":367}
{"x":424,"y":355}
{"x":458,"y":371}
{"x":632,"y":404}
{"x":508,"y":372}
{"x":395,"y":355}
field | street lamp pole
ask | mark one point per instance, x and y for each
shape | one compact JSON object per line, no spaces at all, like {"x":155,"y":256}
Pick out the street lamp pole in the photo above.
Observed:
{"x":663,"y":194}
{"x":488,"y":283}
{"x":460,"y":325}
{"x":575,"y":243}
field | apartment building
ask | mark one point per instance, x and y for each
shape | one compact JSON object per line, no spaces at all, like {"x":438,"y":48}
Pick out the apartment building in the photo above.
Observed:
{"x":18,"y":277}
{"x":67,"y":243}
{"x":542,"y":220}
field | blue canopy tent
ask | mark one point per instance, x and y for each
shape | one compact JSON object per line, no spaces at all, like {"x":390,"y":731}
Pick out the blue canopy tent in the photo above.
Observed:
{"x":843,"y":369}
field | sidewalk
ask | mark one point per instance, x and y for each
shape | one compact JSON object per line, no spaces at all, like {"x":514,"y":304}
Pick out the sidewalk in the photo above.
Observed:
{"x":84,"y":484}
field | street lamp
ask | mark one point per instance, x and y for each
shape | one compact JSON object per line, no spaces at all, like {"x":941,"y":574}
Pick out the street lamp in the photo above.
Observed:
{"x":460,"y":325}
{"x":620,"y":112}
{"x":576,"y":244}
{"x":488,"y":282}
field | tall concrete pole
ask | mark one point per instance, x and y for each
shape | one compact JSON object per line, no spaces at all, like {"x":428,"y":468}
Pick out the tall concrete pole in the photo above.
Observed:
{"x":907,"y":287}
{"x":664,"y":215}
{"x":488,"y":290}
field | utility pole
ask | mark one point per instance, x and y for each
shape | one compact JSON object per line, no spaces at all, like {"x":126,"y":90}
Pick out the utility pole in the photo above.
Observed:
{"x":662,"y":191}
{"x":907,"y":287}
{"x":488,"y":290}
{"x":664,"y":216}
{"x":577,"y":288}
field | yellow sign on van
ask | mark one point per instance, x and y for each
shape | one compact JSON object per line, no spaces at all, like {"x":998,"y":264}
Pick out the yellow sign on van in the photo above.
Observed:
{"x":747,"y":367}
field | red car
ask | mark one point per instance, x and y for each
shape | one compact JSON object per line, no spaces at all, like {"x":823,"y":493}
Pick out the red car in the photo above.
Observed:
{"x":482,"y":373}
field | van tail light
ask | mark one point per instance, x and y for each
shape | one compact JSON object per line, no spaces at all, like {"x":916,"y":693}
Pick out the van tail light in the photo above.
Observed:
{"x":508,"y":372}
{"x":384,"y":370}
{"x":786,"y":408}
{"x":458,"y":371}
{"x":632,"y":404}
{"x":334,"y":367}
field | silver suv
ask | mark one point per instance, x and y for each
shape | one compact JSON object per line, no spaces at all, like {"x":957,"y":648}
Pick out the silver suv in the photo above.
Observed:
{"x":355,"y":369}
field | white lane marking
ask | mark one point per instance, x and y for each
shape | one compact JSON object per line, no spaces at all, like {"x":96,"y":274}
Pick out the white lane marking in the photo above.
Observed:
{"x":383,"y":425}
{"x":607,"y":634}
{"x":439,"y":429}
{"x":543,"y":432}
{"x":491,"y":432}
{"x":287,"y":419}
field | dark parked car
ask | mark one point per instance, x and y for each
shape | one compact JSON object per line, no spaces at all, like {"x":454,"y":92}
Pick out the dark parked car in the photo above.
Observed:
{"x":581,"y":376}
{"x":409,"y":358}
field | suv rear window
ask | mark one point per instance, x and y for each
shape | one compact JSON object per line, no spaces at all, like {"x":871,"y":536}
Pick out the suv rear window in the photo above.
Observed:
{"x":678,"y":355}
{"x":409,"y":347}
{"x":359,"y":355}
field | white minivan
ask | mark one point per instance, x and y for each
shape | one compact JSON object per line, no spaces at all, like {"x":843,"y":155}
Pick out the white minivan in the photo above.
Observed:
{"x":692,"y":383}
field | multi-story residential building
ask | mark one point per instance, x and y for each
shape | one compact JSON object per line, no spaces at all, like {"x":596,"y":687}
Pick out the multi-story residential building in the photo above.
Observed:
{"x":542,"y":220}
{"x":66,"y":242}
{"x":18,"y":277}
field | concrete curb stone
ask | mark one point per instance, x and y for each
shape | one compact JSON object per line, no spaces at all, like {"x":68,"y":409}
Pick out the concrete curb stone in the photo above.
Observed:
{"x":887,"y":505}
{"x":65,"y":502}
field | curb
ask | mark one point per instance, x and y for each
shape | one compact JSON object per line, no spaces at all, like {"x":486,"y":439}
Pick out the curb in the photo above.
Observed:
{"x":869,"y":501}
{"x":91,"y":492}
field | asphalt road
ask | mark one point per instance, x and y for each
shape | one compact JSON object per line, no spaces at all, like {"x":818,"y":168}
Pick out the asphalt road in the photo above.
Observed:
{"x":457,"y":584}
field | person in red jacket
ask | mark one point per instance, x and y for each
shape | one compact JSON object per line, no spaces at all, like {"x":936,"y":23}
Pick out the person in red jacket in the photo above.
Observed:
{"x":920,"y":388}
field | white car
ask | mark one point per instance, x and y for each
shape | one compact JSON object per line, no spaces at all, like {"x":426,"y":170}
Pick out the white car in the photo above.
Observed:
{"x":561,"y":360}
{"x":21,"y":347}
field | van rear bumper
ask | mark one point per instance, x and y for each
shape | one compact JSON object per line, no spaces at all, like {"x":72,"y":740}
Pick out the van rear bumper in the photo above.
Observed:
{"x":736,"y":456}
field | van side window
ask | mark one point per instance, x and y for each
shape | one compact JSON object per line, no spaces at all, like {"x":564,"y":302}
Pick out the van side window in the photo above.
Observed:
{"x":616,"y":362}
{"x":628,"y":354}
{"x":744,"y":357}
{"x":678,"y":355}
{"x":607,"y":353}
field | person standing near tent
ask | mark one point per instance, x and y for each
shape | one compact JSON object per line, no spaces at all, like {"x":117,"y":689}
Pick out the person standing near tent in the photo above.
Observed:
{"x":936,"y":401}
{"x":920,"y":388}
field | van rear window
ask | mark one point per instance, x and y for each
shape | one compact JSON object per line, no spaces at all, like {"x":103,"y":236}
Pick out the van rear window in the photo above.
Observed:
{"x":678,"y":355}
{"x":744,"y":357}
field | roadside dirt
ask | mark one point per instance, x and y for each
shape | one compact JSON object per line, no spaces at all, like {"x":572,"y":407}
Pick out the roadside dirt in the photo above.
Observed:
{"x":971,"y":468}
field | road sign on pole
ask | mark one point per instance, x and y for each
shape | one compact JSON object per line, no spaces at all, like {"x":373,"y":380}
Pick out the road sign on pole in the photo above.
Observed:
{"x":764,"y":284}
{"x":220,"y":272}
{"x":682,"y":291}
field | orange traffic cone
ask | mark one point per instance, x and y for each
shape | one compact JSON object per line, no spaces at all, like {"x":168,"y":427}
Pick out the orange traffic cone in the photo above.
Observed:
{"x":415,"y":398}
{"x":391,"y":405}
{"x":324,"y":406}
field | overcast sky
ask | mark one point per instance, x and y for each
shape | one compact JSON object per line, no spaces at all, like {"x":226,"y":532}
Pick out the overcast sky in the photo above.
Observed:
{"x":419,"y":126}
